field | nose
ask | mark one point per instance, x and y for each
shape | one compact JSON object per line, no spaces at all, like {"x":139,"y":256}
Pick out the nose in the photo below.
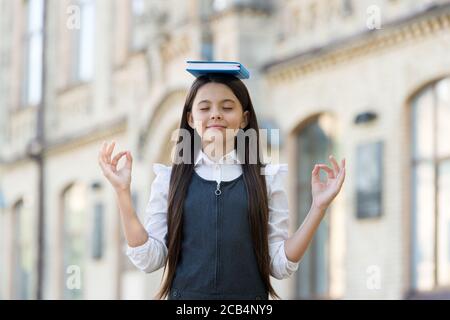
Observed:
{"x":215,"y":114}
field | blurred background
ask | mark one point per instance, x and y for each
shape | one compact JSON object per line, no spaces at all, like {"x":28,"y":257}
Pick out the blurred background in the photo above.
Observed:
{"x":364,"y":80}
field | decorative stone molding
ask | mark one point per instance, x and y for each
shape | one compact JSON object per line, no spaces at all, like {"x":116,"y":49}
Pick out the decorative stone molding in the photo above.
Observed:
{"x":236,"y":11}
{"x":175,"y":46}
{"x":73,"y":107}
{"x":22,"y":127}
{"x":371,"y":42}
{"x":159,"y":109}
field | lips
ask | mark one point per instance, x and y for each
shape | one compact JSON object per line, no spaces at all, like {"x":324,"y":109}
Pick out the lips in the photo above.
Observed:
{"x":215,"y":126}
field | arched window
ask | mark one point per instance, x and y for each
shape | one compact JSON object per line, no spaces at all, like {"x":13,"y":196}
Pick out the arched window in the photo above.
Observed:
{"x":74,"y":241}
{"x":2,"y":245}
{"x":22,"y":251}
{"x":83,"y":42}
{"x":314,"y":145}
{"x":138,"y":9}
{"x":32,"y":57}
{"x":430,"y":112}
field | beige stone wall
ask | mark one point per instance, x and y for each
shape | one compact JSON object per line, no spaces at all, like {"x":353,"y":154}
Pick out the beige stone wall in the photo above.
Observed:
{"x":381,"y":80}
{"x":140,"y":95}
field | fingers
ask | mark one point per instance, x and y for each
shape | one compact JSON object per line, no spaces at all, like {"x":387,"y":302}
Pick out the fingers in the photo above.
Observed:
{"x":324,"y":167}
{"x":129,"y":162}
{"x":116,"y":159}
{"x":315,"y":174}
{"x":334,"y":164}
{"x":104,"y":157}
{"x":343,"y":168}
{"x":109,"y":151}
{"x":332,"y":174}
{"x":102,"y":152}
{"x":105,"y":169}
{"x":341,"y":176}
{"x":328,"y":170}
{"x":101,"y":158}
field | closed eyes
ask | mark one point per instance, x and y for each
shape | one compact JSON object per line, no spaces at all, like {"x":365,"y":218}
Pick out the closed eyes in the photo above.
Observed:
{"x":204,"y":109}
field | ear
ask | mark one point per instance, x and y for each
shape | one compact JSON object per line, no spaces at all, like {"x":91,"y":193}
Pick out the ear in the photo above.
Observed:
{"x":244,"y":122}
{"x":190,"y":120}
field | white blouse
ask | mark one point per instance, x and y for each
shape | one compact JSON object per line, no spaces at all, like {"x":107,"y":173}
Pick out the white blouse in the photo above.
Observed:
{"x":151,"y":255}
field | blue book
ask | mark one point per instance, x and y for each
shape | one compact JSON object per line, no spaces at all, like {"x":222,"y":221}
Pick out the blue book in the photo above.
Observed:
{"x":198,"y":68}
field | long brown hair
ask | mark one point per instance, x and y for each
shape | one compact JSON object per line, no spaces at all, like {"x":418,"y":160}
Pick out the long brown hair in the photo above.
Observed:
{"x":257,"y":194}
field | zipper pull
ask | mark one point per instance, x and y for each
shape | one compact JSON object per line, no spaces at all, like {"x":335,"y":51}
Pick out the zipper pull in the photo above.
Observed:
{"x":218,"y":191}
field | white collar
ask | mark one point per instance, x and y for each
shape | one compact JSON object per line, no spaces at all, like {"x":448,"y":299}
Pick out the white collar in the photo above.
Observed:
{"x":229,"y":158}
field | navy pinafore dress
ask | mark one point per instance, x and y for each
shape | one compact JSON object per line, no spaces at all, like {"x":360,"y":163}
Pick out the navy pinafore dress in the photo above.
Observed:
{"x":217,"y":260}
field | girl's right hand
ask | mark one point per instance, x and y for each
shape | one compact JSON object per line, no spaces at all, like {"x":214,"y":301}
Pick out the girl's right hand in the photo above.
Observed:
{"x":120,"y":179}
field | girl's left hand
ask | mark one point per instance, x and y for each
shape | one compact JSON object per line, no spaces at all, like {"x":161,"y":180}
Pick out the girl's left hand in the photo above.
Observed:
{"x":323,"y":193}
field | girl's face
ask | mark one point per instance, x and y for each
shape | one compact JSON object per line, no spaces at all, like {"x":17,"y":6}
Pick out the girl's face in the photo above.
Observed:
{"x":215,"y":111}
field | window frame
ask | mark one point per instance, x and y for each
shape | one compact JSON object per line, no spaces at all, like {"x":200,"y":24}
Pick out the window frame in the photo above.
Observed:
{"x":416,"y":161}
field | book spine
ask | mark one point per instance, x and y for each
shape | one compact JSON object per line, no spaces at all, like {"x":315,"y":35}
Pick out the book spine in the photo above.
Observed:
{"x":244,"y":73}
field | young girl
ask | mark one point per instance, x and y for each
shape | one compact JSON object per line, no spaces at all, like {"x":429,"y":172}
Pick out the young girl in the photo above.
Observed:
{"x":218,"y":221}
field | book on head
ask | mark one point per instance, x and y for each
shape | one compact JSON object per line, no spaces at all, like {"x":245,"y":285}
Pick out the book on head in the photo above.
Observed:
{"x":198,"y":68}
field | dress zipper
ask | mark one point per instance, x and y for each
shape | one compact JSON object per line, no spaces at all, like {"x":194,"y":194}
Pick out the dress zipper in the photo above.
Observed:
{"x":218,"y":191}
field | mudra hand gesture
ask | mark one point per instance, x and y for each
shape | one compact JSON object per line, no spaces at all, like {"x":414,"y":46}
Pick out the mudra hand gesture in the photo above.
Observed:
{"x":119,"y":179}
{"x":323,"y":192}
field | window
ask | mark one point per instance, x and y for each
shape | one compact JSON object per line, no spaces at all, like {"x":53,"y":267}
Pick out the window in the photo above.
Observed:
{"x":84,"y":43}
{"x":138,"y":8}
{"x":22,"y":252}
{"x":220,"y":5}
{"x":98,"y":232}
{"x":121,"y":15}
{"x":347,"y":8}
{"x":125,"y":263}
{"x":2,"y":244}
{"x":313,"y":145}
{"x":207,"y":47}
{"x":369,"y":179}
{"x":431,"y":187}
{"x":74,"y":240}
{"x":32,"y":56}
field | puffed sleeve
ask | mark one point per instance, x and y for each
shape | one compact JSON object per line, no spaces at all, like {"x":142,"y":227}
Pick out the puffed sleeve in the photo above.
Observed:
{"x":281,"y":267}
{"x":151,"y":255}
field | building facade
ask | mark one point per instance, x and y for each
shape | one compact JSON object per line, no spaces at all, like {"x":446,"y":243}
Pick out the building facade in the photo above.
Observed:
{"x":364,"y":80}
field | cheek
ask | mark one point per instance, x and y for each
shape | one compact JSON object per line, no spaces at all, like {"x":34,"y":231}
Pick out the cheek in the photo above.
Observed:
{"x":199,"y":120}
{"x":234,"y":121}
